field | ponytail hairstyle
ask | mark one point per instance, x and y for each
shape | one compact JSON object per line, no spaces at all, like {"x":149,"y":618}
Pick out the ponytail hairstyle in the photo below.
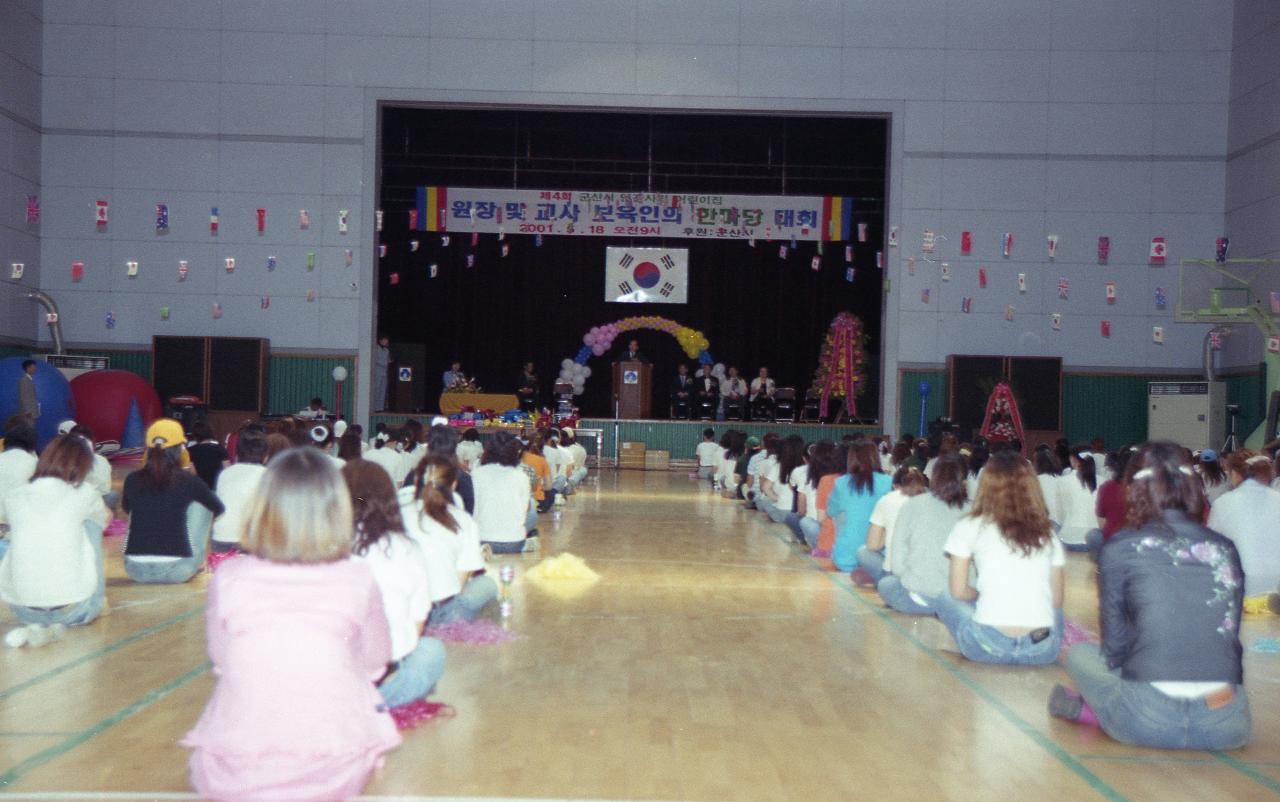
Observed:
{"x":1086,"y":469}
{"x":1009,"y":496}
{"x":1046,"y":462}
{"x":162,"y":465}
{"x":1160,"y":479}
{"x":911,"y":481}
{"x":375,"y":509}
{"x":433,"y":483}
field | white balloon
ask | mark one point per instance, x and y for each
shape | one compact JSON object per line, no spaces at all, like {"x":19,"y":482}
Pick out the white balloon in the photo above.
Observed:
{"x":586,"y":371}
{"x":564,"y":363}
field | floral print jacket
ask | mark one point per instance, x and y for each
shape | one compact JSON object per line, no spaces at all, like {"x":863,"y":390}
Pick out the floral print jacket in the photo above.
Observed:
{"x":1170,"y":597}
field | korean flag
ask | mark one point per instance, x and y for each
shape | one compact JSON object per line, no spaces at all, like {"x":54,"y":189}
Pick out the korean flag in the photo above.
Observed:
{"x":646,"y":275}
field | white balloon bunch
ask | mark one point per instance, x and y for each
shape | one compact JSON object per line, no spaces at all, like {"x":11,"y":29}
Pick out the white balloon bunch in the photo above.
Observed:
{"x":573,"y":373}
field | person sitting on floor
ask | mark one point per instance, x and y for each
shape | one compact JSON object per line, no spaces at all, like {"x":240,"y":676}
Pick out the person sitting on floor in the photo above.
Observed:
{"x":876,"y":556}
{"x":1249,"y":515}
{"x":503,"y":496}
{"x":52,"y":574}
{"x":920,"y":566}
{"x":1168,"y":672}
{"x":1014,"y":615}
{"x":236,"y":485}
{"x":400,"y":570}
{"x":170,"y":511}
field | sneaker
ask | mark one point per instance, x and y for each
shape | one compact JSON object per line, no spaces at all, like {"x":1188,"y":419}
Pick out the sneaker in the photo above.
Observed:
{"x":531,"y":543}
{"x":1273,"y":602}
{"x":16,"y":638}
{"x":37,"y":636}
{"x":1065,"y":704}
{"x":861,"y":578}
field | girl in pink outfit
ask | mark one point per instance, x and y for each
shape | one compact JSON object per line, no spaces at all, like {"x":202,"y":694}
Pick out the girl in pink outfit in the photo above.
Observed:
{"x":297,"y":637}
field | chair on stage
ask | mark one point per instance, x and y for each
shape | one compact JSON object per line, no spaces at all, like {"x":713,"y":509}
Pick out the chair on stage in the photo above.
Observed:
{"x":812,"y":406}
{"x":784,"y":404}
{"x":706,"y":406}
{"x":679,"y":409}
{"x":734,"y":408}
{"x":762,"y":408}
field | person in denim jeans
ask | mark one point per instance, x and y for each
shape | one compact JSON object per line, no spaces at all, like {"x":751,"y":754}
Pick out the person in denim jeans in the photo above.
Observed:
{"x":1168,"y":672}
{"x":1014,"y":614}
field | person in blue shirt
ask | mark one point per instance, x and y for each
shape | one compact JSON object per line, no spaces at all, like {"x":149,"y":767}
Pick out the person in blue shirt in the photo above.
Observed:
{"x":852,"y":500}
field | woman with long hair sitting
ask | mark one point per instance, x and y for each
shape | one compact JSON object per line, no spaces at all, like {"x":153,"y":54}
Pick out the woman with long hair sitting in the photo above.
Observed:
{"x":1014,"y":615}
{"x":170,"y":511}
{"x":400,"y":570}
{"x":52,"y":575}
{"x":1078,"y":500}
{"x":1168,"y":672}
{"x":854,"y":497}
{"x":451,"y":540}
{"x":508,"y":523}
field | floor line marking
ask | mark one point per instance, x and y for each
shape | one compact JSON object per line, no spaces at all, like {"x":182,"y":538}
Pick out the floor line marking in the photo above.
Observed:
{"x":42,"y":757}
{"x":1046,"y":743}
{"x":1248,"y":771}
{"x":105,"y":650}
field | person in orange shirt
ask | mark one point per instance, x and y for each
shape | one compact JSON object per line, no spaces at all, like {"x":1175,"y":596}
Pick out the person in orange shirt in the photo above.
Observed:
{"x":826,"y":467}
{"x":540,"y":473}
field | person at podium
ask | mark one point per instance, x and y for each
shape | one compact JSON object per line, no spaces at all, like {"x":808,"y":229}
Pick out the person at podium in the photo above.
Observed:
{"x":528,"y":388}
{"x":681,"y":390}
{"x":632,"y":353}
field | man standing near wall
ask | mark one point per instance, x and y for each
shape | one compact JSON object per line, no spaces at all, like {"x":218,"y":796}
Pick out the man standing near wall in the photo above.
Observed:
{"x":381,"y":365}
{"x":28,"y":401}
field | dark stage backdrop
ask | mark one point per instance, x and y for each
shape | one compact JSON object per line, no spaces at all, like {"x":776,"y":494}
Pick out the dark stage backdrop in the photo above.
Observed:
{"x":537,"y":302}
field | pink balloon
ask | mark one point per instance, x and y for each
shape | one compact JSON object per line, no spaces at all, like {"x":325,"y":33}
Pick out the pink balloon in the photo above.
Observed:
{"x":598,"y":350}
{"x":588,"y":339}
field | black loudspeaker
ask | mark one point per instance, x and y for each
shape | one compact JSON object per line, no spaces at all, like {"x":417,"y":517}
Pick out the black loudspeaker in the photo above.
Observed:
{"x":1036,"y":383}
{"x":1273,"y":417}
{"x":227,"y":373}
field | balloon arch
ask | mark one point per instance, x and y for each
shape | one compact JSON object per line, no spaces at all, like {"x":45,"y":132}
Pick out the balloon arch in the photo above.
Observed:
{"x":599,"y":340}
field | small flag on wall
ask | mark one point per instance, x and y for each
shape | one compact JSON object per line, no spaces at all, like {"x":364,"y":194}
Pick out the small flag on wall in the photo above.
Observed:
{"x":100,"y":214}
{"x":1104,"y":250}
{"x":966,"y":242}
{"x":213,"y":220}
{"x":1006,"y":245}
{"x":1157,"y":254}
{"x":648,"y":275}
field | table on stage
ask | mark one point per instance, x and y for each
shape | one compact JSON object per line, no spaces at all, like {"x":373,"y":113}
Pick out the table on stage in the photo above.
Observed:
{"x":498,"y":402}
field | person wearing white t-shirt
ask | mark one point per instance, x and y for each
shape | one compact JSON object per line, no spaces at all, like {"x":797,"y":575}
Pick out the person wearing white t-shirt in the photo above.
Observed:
{"x":733,"y":390}
{"x":445,"y":530}
{"x":52,"y":574}
{"x":557,"y":461}
{"x":400,"y":571}
{"x":1249,"y":515}
{"x":803,"y":523}
{"x":386,"y":453}
{"x":578,"y":455}
{"x":762,"y":390}
{"x":1078,"y":502}
{"x":1049,"y":476}
{"x":17,"y":462}
{"x":1014,"y":614}
{"x":876,"y":556}
{"x":469,"y":450}
{"x":502,"y":497}
{"x":708,"y":453}
{"x":235,"y":488}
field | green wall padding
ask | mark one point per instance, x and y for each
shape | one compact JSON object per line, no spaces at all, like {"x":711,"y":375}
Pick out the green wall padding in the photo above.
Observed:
{"x":1247,"y":391}
{"x":292,"y":381}
{"x":909,"y":398}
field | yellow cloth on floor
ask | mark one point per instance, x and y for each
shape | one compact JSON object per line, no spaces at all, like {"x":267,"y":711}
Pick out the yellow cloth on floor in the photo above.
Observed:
{"x":564,"y":576}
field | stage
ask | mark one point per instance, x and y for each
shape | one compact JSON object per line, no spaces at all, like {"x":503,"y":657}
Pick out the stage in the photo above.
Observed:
{"x":677,"y":437}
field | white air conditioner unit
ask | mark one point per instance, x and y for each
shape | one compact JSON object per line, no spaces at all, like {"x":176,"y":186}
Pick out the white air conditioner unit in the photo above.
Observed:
{"x":72,"y":366}
{"x":1192,"y":414}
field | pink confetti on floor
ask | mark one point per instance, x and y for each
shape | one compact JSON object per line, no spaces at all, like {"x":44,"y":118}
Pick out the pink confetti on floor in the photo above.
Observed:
{"x":1073,"y":633}
{"x":117,"y":527}
{"x":482,"y":631}
{"x":820,"y":553}
{"x":411,"y":715}
{"x":217,"y":558}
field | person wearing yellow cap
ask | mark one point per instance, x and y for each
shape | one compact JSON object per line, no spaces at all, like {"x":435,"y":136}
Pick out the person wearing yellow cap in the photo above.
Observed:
{"x":170,"y":511}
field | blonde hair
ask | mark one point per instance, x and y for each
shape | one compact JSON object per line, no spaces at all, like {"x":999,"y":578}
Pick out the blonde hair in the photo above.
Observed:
{"x":1009,"y":495}
{"x":301,"y":511}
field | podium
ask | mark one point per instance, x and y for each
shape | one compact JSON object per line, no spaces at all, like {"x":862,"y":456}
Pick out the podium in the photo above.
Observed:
{"x":632,"y":389}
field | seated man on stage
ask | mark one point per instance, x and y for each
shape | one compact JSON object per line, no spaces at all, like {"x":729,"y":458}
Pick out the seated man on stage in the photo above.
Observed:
{"x":733,"y":391}
{"x":528,"y":388}
{"x":313,"y":410}
{"x":454,"y":377}
{"x":707,"y":390}
{"x":762,"y":406}
{"x":681,"y":392}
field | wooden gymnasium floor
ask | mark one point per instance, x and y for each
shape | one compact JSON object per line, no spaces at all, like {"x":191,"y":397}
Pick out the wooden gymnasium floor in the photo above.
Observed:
{"x":712,"y":662}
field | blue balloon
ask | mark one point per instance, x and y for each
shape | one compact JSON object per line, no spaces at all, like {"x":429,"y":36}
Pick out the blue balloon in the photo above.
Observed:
{"x":584,"y":355}
{"x":924,"y":388}
{"x":53,"y":391}
{"x":704,"y":358}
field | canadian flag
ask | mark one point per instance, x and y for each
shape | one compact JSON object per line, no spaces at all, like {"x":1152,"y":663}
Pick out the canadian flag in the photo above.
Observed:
{"x":1157,"y":251}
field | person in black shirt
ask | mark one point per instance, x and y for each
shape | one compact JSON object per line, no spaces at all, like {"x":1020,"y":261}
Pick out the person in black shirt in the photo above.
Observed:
{"x":170,"y":511}
{"x":632,"y":353}
{"x":207,"y":454}
{"x":681,"y":392}
{"x":1168,"y":672}
{"x":528,"y":388}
